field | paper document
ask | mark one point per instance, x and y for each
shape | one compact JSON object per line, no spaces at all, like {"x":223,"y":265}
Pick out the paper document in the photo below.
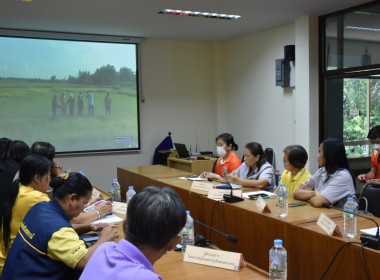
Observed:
{"x":370,"y":231}
{"x":108,"y":219}
{"x":247,"y":194}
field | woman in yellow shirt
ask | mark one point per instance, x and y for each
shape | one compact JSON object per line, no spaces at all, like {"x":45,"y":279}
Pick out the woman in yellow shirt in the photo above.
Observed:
{"x":295,"y":173}
{"x":25,"y":192}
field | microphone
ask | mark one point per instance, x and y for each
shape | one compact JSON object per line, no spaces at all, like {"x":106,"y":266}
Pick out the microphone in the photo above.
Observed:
{"x":230,"y":198}
{"x":230,"y":237}
{"x":371,"y":242}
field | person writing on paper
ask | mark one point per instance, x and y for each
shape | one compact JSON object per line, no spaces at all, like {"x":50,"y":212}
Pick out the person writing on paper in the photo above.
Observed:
{"x":374,"y":173}
{"x":332,"y":183}
{"x":255,"y":172}
{"x":47,"y":246}
{"x":21,"y":195}
{"x":155,"y":218}
{"x":295,"y":173}
{"x":47,"y":150}
{"x":225,"y":147}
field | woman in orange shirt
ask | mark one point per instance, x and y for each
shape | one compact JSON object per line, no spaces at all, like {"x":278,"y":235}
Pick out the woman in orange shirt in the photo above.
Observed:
{"x":225,"y":147}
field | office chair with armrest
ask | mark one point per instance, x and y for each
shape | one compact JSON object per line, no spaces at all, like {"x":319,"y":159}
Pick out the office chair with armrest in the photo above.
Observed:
{"x":269,"y":155}
{"x":213,"y":167}
{"x":369,"y":199}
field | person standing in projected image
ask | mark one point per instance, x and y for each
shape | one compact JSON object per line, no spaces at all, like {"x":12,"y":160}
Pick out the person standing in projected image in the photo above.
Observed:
{"x":80,"y":104}
{"x":90,"y":100}
{"x":225,"y":147}
{"x":107,"y":103}
{"x":63,"y":104}
{"x":71,"y":103}
{"x":54,"y":106}
{"x":374,"y":173}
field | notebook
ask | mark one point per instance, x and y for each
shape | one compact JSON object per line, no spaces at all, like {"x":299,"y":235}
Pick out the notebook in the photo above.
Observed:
{"x":182,"y":150}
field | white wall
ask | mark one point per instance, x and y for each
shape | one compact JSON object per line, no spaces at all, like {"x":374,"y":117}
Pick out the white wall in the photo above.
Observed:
{"x":177,"y":88}
{"x":258,"y":110}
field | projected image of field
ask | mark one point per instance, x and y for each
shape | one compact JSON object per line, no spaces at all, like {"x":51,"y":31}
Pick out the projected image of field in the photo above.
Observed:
{"x":27,"y":112}
{"x":81,"y":96}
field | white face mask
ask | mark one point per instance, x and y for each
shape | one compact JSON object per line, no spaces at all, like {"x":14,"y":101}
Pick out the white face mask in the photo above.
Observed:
{"x":376,"y":146}
{"x":221,"y":150}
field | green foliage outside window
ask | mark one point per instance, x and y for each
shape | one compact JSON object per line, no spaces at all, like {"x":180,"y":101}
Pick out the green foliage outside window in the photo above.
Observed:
{"x":355,"y":98}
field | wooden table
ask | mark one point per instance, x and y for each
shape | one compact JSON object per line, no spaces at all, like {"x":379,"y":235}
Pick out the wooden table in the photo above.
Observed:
{"x":310,"y":250}
{"x":192,"y":166}
{"x":146,"y":176}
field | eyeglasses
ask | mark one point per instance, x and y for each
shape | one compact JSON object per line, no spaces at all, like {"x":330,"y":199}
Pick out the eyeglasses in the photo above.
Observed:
{"x":284,"y":160}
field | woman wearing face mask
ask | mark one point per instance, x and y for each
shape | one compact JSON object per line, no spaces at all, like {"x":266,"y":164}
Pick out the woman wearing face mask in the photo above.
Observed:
{"x":225,"y":147}
{"x":332,"y":183}
{"x":374,"y":173}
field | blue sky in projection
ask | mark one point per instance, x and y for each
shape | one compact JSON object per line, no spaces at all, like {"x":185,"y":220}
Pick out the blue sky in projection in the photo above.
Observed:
{"x":34,"y":58}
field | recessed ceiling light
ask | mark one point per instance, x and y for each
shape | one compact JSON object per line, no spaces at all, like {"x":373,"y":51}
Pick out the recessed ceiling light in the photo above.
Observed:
{"x":197,"y":14}
{"x":26,"y":1}
{"x":362,"y":28}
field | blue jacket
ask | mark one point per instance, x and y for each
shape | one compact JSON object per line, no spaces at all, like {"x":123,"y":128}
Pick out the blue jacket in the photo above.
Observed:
{"x":27,"y":258}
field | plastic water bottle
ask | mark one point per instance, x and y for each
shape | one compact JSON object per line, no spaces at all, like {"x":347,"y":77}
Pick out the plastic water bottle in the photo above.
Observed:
{"x":282,"y":201}
{"x":187,"y":232}
{"x":350,"y":208}
{"x":277,"y":261}
{"x":130,"y":193}
{"x":115,"y":190}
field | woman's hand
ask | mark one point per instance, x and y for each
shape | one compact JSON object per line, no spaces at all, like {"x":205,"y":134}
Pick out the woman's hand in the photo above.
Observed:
{"x":101,"y":226}
{"x":56,"y":169}
{"x":233,"y":178}
{"x":105,"y":208}
{"x":305,"y":187}
{"x":211,"y":176}
{"x":96,"y":199}
{"x":108,"y":234}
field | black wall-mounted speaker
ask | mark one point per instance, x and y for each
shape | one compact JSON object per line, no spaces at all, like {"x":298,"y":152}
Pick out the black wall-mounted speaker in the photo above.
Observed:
{"x":290,"y":52}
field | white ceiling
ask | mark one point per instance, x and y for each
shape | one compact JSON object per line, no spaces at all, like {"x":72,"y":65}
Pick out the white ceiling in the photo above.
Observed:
{"x":140,"y":18}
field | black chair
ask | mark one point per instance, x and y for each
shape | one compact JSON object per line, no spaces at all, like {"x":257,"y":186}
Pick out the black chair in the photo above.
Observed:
{"x":369,"y":199}
{"x":269,"y":155}
{"x":213,"y":167}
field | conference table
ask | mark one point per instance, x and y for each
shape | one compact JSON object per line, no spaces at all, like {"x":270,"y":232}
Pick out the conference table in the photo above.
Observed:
{"x":310,"y":249}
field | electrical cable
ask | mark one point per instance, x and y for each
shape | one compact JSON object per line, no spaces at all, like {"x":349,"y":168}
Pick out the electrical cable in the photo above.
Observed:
{"x":212,"y":218}
{"x":337,"y":253}
{"x":225,"y":224}
{"x":362,"y":258}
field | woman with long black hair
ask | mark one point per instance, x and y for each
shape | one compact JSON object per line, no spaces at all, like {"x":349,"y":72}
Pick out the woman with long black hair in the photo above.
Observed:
{"x":332,"y":183}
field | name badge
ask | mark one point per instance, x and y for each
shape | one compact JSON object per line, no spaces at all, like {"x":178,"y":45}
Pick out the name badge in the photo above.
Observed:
{"x":328,"y":225}
{"x":201,"y":186}
{"x":262,"y":205}
{"x":216,"y":258}
{"x":119,"y":207}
